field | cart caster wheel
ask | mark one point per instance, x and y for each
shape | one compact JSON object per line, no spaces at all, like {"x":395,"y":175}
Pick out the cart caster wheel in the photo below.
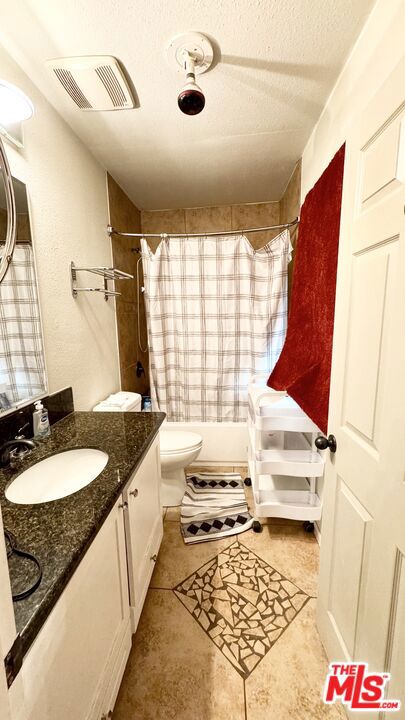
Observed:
{"x":257,"y":527}
{"x":308,"y":526}
{"x":247,"y":482}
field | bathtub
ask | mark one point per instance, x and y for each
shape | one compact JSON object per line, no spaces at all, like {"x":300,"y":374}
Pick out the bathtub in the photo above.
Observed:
{"x":224,"y":443}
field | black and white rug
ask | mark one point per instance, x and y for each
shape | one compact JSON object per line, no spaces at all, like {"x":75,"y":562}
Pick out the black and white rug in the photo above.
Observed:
{"x":214,"y":506}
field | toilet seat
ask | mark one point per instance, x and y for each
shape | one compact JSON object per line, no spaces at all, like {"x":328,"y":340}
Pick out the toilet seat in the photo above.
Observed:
{"x":173,"y":442}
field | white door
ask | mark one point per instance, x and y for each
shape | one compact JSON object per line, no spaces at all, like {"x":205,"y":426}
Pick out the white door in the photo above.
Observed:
{"x":361,"y":610}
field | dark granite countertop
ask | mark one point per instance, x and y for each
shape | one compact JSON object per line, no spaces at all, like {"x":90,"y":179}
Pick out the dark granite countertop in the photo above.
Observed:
{"x":58,"y":533}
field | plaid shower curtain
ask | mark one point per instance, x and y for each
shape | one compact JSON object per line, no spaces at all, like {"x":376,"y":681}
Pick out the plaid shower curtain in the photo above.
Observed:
{"x":217,"y":313}
{"x":22,"y":368}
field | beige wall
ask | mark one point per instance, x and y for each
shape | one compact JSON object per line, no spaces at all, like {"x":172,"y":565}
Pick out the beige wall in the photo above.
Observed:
{"x":290,"y":205}
{"x":68,"y":206}
{"x":377,"y":51}
{"x":210,"y":219}
{"x":125,"y":216}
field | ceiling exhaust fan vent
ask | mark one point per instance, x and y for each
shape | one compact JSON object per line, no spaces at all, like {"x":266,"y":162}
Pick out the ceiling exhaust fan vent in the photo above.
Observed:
{"x":112,"y":86}
{"x":66,"y":78}
{"x":94,"y":83}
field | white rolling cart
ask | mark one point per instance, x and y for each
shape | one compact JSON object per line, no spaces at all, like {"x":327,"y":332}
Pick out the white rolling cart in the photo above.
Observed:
{"x":284,"y":462}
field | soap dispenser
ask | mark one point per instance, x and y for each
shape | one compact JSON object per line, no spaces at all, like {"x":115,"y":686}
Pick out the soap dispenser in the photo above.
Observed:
{"x":40,"y":421}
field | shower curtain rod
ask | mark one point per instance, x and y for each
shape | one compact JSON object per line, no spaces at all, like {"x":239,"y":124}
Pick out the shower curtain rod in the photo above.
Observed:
{"x":112,"y":231}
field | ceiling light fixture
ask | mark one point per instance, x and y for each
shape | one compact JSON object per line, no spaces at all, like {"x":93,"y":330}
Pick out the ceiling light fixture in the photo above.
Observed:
{"x":191,"y":53}
{"x":15,"y":106}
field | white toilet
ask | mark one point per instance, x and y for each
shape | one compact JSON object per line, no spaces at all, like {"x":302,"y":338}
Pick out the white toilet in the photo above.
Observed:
{"x":177,"y":450}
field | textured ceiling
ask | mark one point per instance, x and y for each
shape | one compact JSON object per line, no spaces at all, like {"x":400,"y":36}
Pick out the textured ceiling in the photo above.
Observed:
{"x":277,"y":65}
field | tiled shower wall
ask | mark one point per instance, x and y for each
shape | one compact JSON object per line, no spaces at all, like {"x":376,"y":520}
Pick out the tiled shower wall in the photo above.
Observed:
{"x":23,"y":226}
{"x":3,"y":223}
{"x":126,"y":217}
{"x":210,"y":219}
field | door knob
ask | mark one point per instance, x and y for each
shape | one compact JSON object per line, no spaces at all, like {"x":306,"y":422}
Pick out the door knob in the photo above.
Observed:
{"x":323,"y":443}
{"x":134,"y":492}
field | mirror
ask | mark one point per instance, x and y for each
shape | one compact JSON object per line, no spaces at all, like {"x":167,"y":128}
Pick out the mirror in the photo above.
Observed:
{"x":22,"y":362}
{"x":7,"y":199}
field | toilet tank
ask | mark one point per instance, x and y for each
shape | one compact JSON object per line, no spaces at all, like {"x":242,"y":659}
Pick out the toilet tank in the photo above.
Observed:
{"x":120,"y":402}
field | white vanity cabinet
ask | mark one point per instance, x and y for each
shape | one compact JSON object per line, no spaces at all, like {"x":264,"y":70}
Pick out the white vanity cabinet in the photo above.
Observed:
{"x":75,"y":665}
{"x":144,"y":528}
{"x":70,"y":669}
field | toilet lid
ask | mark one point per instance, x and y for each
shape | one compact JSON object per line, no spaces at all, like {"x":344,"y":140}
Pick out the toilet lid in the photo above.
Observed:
{"x":172,"y":441}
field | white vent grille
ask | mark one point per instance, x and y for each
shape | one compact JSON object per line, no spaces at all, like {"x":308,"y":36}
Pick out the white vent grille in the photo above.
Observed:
{"x":71,"y":87}
{"x":112,"y":85}
{"x":95,"y":83}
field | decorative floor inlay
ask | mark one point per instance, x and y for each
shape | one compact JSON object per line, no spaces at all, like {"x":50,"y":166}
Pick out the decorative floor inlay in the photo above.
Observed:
{"x":242,"y":603}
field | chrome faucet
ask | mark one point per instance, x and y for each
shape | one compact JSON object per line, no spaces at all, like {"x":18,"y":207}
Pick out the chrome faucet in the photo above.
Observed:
{"x":7,"y":448}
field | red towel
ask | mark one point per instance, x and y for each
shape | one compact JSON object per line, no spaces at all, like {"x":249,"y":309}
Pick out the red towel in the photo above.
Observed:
{"x":303,"y":368}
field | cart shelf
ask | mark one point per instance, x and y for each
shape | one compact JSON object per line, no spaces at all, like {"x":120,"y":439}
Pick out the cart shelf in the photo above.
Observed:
{"x":284,"y":463}
{"x":301,"y":463}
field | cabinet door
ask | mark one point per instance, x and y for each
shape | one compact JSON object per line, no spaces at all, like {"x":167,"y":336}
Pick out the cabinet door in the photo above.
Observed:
{"x":144,"y":527}
{"x":66,"y":671}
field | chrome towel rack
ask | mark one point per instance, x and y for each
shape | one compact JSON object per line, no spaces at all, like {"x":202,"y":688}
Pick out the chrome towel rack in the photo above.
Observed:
{"x":106,"y":273}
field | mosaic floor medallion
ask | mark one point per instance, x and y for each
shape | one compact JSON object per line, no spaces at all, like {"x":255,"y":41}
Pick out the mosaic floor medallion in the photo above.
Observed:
{"x":243,"y":604}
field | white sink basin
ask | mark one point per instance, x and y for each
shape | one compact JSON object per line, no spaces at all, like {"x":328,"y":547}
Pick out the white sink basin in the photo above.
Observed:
{"x":57,"y":476}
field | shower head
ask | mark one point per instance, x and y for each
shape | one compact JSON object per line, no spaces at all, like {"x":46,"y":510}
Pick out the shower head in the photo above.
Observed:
{"x":191,"y":53}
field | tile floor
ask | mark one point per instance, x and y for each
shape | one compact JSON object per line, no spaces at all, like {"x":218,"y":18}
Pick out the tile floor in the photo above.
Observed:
{"x":228,"y":630}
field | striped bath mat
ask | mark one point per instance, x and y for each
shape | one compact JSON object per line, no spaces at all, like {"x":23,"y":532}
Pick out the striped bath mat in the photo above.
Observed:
{"x":214,"y":506}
